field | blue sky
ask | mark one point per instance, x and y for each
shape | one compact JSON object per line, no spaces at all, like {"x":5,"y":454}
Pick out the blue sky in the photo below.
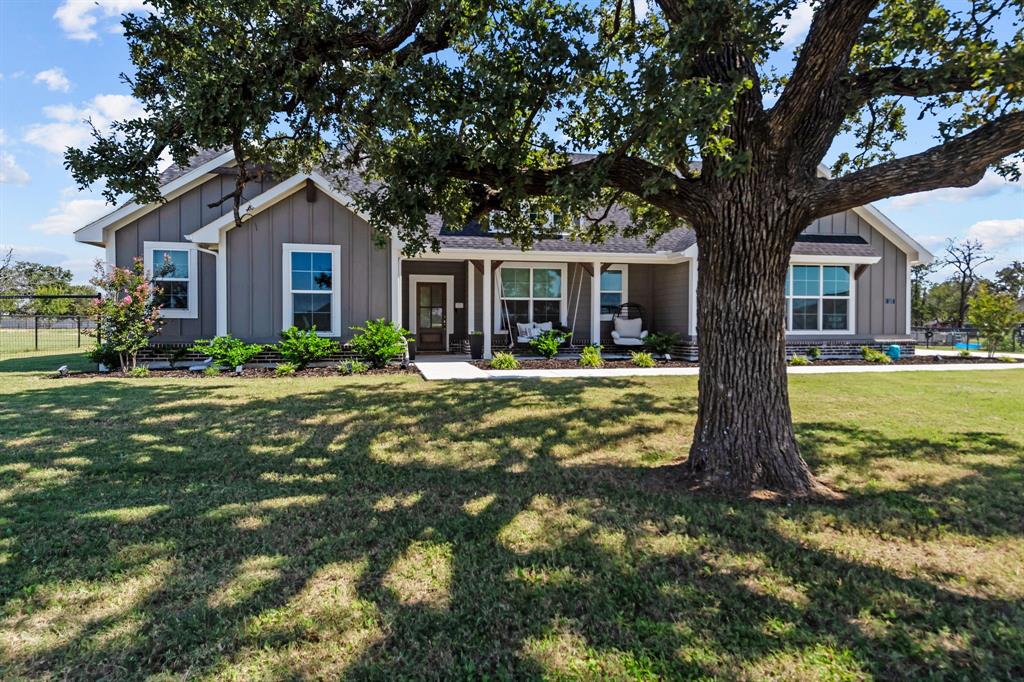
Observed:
{"x":60,"y":63}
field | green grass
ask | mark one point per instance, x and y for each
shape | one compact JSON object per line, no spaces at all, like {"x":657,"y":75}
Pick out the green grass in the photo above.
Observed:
{"x":19,"y":341}
{"x":383,"y":527}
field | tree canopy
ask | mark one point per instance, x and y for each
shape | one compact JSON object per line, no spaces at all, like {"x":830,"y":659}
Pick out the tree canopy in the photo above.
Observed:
{"x":481,"y":105}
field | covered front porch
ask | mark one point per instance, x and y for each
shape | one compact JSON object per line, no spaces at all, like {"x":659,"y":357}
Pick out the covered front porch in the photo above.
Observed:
{"x":444,"y":298}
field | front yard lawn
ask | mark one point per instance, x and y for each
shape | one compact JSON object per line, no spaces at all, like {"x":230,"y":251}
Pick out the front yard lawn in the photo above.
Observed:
{"x":384,"y":527}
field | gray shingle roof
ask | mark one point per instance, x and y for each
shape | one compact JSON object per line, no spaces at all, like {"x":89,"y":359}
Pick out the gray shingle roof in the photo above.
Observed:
{"x":174,"y":171}
{"x":833,"y":245}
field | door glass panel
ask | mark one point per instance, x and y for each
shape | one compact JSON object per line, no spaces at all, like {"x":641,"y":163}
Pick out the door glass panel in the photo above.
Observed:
{"x":424,"y":320}
{"x":424,"y":295}
{"x":437,"y":317}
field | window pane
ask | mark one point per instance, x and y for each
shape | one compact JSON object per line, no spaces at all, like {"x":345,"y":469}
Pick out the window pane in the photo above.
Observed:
{"x":303,"y":320}
{"x":610,"y":303}
{"x":611,"y":280}
{"x":805,"y":313}
{"x":311,"y":271}
{"x":322,"y":321}
{"x":806,"y":280}
{"x":788,"y":273}
{"x":170,"y":263}
{"x":547,"y":311}
{"x":837,"y":280}
{"x":835,"y":314}
{"x":515,"y":282}
{"x":172,"y":295}
{"x":321,"y":261}
{"x":518,"y":312}
{"x":312,"y":309}
{"x":302,"y":260}
{"x":322,"y":280}
{"x":547,"y":283}
{"x":302,"y":280}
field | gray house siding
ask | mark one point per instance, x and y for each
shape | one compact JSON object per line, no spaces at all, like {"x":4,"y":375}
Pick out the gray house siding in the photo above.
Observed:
{"x":254,"y":265}
{"x":170,"y":223}
{"x":670,"y":298}
{"x":881,"y":290}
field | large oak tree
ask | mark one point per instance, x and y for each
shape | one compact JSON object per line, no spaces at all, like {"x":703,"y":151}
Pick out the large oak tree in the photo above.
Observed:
{"x":475,"y":108}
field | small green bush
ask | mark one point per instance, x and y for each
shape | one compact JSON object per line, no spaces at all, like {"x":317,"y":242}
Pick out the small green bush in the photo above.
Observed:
{"x":286,"y":368}
{"x":178,"y":355}
{"x":546,"y":345}
{"x":642,"y":359}
{"x":103,"y":354}
{"x":227,"y":351}
{"x":504,"y":361}
{"x":590,"y":356}
{"x":211,"y":372}
{"x":300,"y":347}
{"x":874,"y":355}
{"x":378,"y":341}
{"x":964,"y":353}
{"x":353,"y":367}
{"x":799,"y":361}
{"x":814,"y":353}
{"x":140,"y":371}
{"x":1003,"y":358}
{"x":661,"y":343}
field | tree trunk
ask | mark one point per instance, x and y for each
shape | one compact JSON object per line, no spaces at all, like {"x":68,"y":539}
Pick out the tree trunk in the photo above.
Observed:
{"x":744,"y":438}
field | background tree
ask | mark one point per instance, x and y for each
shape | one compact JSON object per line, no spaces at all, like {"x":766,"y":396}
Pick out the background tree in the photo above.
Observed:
{"x":965,"y":257}
{"x":942,"y":303}
{"x":1011,"y":280}
{"x":920,"y":311}
{"x":470,"y":109}
{"x":996,"y":316}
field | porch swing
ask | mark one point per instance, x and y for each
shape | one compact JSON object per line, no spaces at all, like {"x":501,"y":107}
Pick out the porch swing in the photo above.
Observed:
{"x":522,"y":336}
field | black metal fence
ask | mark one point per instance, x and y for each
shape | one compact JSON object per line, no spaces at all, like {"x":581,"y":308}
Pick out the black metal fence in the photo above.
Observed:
{"x":23,"y":331}
{"x":959,"y":338}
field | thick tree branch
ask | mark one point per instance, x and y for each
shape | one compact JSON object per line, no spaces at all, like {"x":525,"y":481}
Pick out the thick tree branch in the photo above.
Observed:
{"x":961,"y":162}
{"x":922,"y":82}
{"x":822,"y":62}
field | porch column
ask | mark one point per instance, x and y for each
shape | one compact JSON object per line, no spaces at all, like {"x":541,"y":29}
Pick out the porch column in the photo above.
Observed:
{"x":221,"y":283}
{"x":692,"y":312}
{"x":470,"y":297}
{"x":488,"y":321}
{"x":595,"y":303}
{"x":396,"y":282}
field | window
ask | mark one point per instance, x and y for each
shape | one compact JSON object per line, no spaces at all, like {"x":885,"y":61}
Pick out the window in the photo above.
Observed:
{"x":530,"y":294}
{"x":174,"y":267}
{"x":614,"y":285}
{"x":311,"y":296}
{"x":818,"y":299}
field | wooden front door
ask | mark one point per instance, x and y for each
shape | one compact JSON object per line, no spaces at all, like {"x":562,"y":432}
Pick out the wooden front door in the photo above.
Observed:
{"x":431,"y":316}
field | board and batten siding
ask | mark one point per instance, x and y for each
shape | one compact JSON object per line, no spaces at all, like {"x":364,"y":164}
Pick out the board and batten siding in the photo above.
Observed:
{"x":882,"y":288}
{"x":255,"y":269}
{"x":670,"y":298}
{"x":170,"y":222}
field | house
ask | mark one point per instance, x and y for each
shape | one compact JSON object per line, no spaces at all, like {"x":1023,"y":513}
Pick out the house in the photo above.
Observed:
{"x":304,"y":256}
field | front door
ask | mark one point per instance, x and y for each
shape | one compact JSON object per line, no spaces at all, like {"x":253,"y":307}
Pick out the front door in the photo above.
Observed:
{"x":431,"y":317}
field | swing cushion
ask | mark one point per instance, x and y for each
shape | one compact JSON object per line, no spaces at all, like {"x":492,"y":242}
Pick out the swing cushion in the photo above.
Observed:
{"x":525,"y":330}
{"x":539,"y":329}
{"x":629,"y":329}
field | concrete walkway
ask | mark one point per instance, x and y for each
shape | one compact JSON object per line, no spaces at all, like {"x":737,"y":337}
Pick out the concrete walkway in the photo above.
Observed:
{"x":464,"y":371}
{"x":956,"y":353}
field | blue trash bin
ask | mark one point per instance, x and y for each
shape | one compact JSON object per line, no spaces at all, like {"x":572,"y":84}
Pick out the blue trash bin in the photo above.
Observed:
{"x":893,"y":352}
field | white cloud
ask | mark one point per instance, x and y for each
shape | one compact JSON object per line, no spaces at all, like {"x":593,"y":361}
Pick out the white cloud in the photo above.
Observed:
{"x":10,"y":172}
{"x":82,"y":269}
{"x":73,"y":211}
{"x":3,"y":136}
{"x":68,"y":127}
{"x":797,"y":24}
{"x":54,"y":79}
{"x":78,"y":18}
{"x":989,"y":185}
{"x":997,"y":234}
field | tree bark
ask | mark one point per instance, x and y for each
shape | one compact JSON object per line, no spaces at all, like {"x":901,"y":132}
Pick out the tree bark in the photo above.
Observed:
{"x":744,"y":439}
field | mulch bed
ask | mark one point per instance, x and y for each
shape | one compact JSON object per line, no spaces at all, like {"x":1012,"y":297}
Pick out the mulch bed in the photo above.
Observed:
{"x":528,"y":363}
{"x":249,"y":373}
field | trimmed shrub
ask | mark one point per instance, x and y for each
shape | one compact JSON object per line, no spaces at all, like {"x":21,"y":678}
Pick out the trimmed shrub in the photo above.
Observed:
{"x":662,"y":343}
{"x":139,"y":371}
{"x":814,"y":353}
{"x":642,"y":359}
{"x":378,"y":341}
{"x":227,"y":351}
{"x":504,"y":361}
{"x":353,"y":367}
{"x":286,"y":368}
{"x":964,"y":353}
{"x":547,"y":344}
{"x":590,"y":356}
{"x":211,"y":372}
{"x":799,"y":361}
{"x":300,"y":347}
{"x":874,"y":355}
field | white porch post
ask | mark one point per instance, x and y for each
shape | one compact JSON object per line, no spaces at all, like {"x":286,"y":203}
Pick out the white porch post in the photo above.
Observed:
{"x":488,"y":321}
{"x":470,"y":297}
{"x":396,"y":282}
{"x":595,"y":303}
{"x":221,"y":275}
{"x":692,"y":316}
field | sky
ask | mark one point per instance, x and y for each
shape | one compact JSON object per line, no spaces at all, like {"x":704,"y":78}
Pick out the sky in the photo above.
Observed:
{"x":60,"y":63}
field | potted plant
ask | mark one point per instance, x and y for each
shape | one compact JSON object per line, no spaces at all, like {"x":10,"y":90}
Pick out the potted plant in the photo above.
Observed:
{"x":476,"y":345}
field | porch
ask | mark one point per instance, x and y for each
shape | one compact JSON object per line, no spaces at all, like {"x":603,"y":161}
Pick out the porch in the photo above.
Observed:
{"x":443,"y":300}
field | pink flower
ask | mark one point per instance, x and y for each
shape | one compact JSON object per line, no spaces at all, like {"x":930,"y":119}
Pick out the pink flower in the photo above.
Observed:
{"x":127,"y":300}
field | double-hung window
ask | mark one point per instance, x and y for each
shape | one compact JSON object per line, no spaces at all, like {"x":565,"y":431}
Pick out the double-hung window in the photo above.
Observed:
{"x":311,"y":297}
{"x":174,"y":267}
{"x":613,"y":290}
{"x":531,"y":294}
{"x":819,"y":298}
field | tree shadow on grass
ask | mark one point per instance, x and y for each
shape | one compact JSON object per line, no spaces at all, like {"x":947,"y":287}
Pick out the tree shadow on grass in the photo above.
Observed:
{"x":390,"y":529}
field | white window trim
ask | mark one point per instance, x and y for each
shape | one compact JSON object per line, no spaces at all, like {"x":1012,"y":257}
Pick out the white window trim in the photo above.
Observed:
{"x":449,"y":303}
{"x":624,"y":269}
{"x":851,"y":318}
{"x":499,"y":318}
{"x":192,"y":311}
{"x":286,"y":284}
